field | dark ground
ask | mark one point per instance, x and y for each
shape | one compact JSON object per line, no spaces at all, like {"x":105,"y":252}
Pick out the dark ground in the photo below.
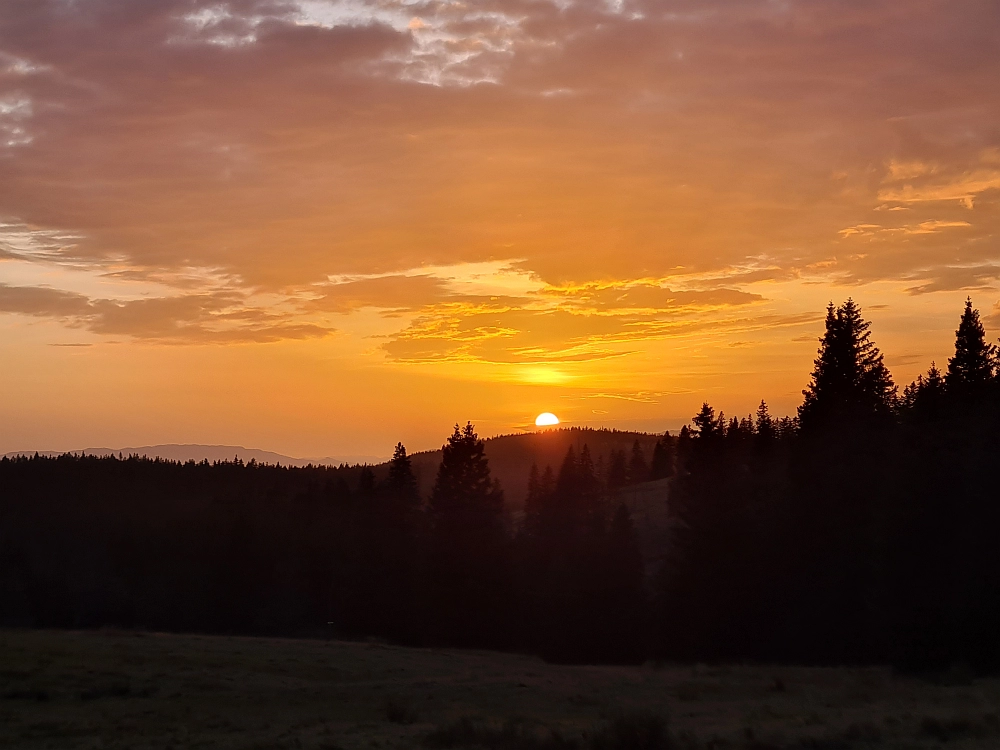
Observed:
{"x":123,"y":690}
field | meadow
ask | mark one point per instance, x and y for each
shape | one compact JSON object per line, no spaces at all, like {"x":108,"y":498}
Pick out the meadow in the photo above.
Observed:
{"x":114,"y":689}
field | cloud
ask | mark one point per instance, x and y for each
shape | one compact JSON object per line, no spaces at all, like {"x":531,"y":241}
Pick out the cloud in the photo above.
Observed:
{"x":644,"y":295}
{"x":955,"y":278}
{"x":197,"y":318}
{"x":694,"y":152}
{"x":42,"y":302}
{"x":963,"y":188}
{"x":931,"y":226}
{"x":394,"y":292}
{"x":523,"y":331}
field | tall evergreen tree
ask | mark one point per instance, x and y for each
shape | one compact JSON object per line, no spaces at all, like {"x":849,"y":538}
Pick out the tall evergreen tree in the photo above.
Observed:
{"x":973,"y":365}
{"x":924,"y":398}
{"x":638,"y":469}
{"x":764,"y":424}
{"x":662,"y":465}
{"x":469,"y":545}
{"x":706,"y":425}
{"x":401,"y":483}
{"x":850,"y":380}
{"x":617,"y":470}
{"x":540,"y":489}
{"x":465,"y":498}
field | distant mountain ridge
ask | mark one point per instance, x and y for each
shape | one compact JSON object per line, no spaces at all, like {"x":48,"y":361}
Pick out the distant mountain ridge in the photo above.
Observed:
{"x":196,"y":452}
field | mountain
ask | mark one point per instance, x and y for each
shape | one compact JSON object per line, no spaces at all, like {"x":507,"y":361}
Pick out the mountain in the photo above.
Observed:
{"x":174,"y":452}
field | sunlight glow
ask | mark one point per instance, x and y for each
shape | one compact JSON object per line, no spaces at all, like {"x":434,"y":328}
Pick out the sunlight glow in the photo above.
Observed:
{"x":546,"y":419}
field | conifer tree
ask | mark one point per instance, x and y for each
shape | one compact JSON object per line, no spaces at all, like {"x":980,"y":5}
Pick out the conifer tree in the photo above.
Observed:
{"x":540,"y":487}
{"x":401,"y":483}
{"x":764,"y":425}
{"x":705,"y":423}
{"x":617,"y":470}
{"x":589,"y":487}
{"x":366,"y":483}
{"x":468,"y":555}
{"x":925,"y":396}
{"x":662,"y":465}
{"x":638,"y":469}
{"x":850,"y":380}
{"x":973,"y":364}
{"x":465,"y":497}
{"x":566,"y":479}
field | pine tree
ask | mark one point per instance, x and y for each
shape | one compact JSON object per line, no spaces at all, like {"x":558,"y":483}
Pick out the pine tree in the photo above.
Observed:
{"x":588,"y":485}
{"x":468,"y":556}
{"x":567,"y":479}
{"x":764,"y":424}
{"x":925,"y":396}
{"x":662,"y":465}
{"x":705,"y":423}
{"x":972,"y":367}
{"x":366,"y":483}
{"x":638,"y":469}
{"x":401,"y":483}
{"x":465,"y":494}
{"x":617,"y":470}
{"x":850,"y":380}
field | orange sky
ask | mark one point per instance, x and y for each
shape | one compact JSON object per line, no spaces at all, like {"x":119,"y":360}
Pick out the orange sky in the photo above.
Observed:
{"x":319,"y":226}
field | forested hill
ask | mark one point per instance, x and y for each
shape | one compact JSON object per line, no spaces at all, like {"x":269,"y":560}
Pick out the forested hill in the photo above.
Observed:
{"x":512,"y":456}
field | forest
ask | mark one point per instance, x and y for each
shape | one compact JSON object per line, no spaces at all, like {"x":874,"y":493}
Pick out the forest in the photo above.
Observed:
{"x":863,"y":530}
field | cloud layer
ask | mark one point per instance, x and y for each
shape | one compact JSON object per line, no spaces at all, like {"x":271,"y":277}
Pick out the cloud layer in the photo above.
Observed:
{"x":506,"y":182}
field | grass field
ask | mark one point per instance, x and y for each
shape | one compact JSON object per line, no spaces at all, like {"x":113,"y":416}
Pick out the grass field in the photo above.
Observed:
{"x":130,"y":690}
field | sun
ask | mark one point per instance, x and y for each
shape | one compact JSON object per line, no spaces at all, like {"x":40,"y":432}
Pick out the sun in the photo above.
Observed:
{"x":546,"y":419}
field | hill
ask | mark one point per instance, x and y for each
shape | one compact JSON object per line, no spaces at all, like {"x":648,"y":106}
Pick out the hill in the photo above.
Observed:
{"x":511,"y":456}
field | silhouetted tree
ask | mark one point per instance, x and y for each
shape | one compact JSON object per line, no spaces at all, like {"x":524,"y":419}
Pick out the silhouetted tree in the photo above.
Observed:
{"x":617,"y":470}
{"x":705,"y":423}
{"x":924,"y":398}
{"x":972,"y":367}
{"x":850,"y":380}
{"x":764,"y":426}
{"x":468,"y":586}
{"x":662,"y":465}
{"x":401,"y":483}
{"x":638,"y":469}
{"x":540,"y":489}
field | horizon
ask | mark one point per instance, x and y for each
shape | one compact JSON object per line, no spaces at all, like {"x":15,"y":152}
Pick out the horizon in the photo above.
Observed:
{"x":319,"y":227}
{"x":316,"y":460}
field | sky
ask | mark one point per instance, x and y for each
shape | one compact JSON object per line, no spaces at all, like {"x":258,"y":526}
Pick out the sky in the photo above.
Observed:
{"x":322,"y":226}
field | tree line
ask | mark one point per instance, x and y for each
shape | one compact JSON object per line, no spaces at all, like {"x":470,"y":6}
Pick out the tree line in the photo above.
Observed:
{"x":861,"y":530}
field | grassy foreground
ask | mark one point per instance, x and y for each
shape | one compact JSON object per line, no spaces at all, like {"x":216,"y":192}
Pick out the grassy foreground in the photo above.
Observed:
{"x":130,"y":690}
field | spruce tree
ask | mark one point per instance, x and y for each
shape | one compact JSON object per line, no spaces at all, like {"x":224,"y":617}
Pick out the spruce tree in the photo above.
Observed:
{"x":401,"y":483}
{"x":705,"y":423}
{"x":971,"y":369}
{"x":924,"y":397}
{"x":465,"y":497}
{"x":617,"y":470}
{"x":468,"y":579}
{"x":850,"y":380}
{"x":638,"y":469}
{"x":764,"y":423}
{"x":662,"y":465}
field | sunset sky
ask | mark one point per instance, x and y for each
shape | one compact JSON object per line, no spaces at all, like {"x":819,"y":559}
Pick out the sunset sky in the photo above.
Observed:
{"x":321,"y":226}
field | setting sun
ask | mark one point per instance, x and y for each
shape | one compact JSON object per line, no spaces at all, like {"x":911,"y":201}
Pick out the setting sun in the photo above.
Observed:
{"x":546,"y":419}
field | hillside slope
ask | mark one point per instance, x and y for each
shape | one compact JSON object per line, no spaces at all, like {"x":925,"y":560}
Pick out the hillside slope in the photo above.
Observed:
{"x":511,"y":456}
